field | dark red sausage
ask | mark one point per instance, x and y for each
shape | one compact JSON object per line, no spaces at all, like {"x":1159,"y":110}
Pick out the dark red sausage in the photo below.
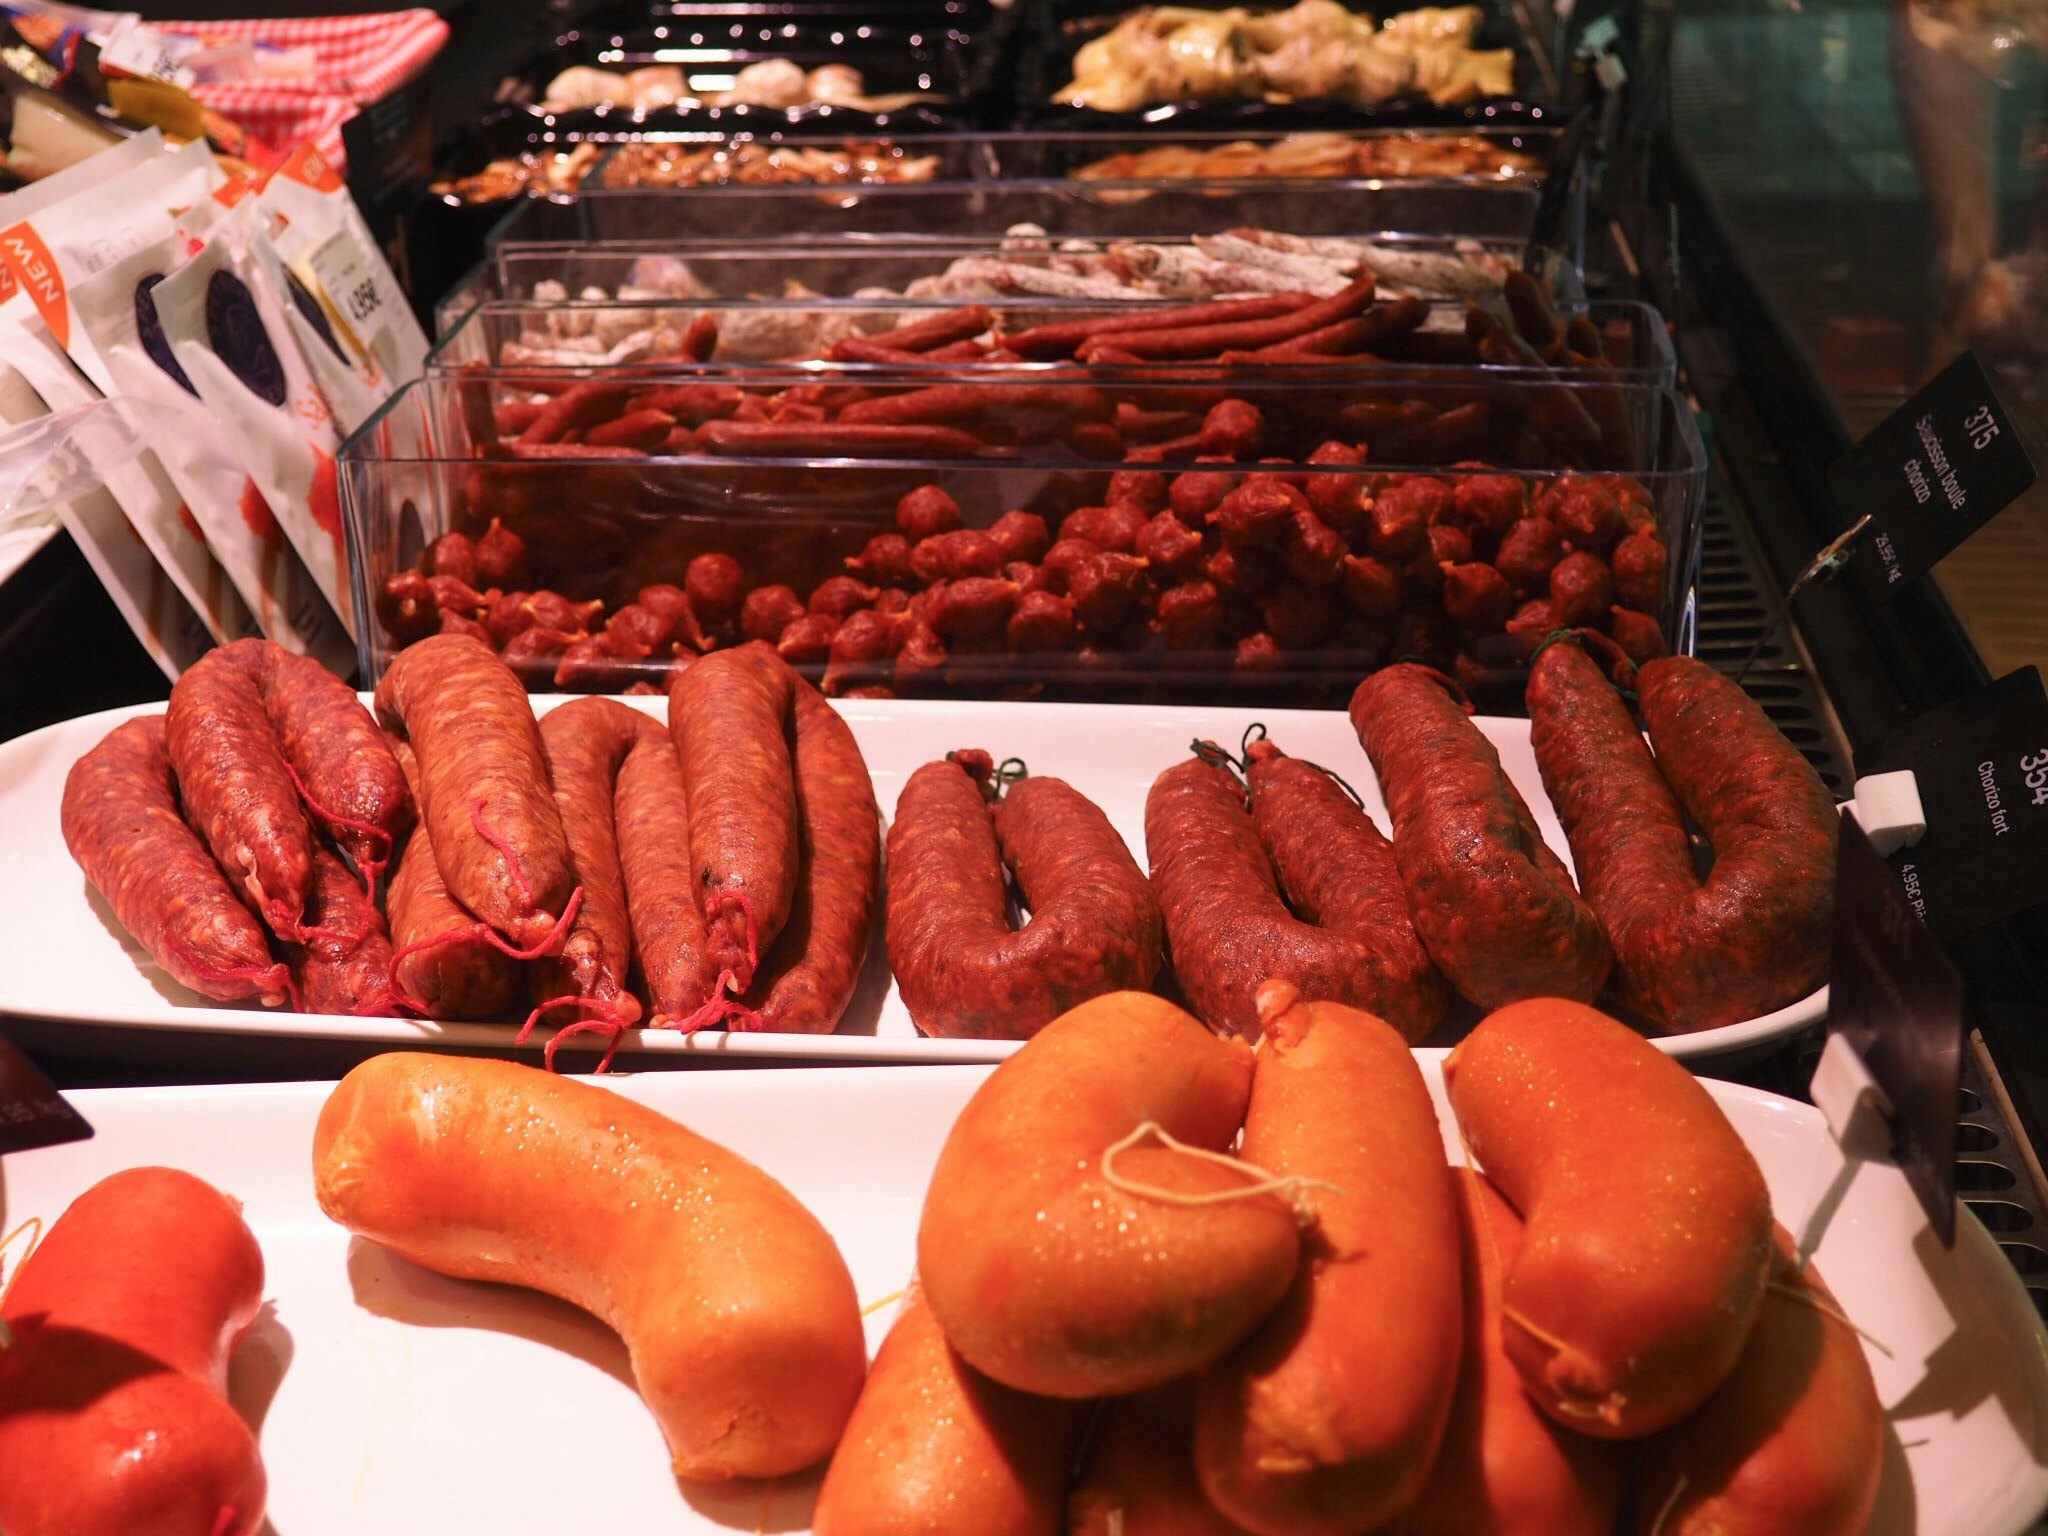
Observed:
{"x":117,"y":1420}
{"x":1494,"y":906}
{"x":121,"y":823}
{"x":345,"y":964}
{"x":808,"y":978}
{"x":482,"y":786}
{"x":1754,"y":935}
{"x":1338,"y":871}
{"x":346,"y":772}
{"x":653,"y":820}
{"x":1227,"y":928}
{"x":962,"y":969}
{"x":237,"y":791}
{"x":730,"y":718}
{"x":442,"y":964}
{"x":585,"y":742}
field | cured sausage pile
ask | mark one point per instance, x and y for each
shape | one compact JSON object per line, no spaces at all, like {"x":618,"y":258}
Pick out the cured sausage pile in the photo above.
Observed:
{"x":1322,"y":570}
{"x":1334,"y":1331}
{"x":728,"y":863}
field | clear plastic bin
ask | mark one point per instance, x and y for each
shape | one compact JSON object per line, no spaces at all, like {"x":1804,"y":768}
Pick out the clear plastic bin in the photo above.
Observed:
{"x":1278,"y":625}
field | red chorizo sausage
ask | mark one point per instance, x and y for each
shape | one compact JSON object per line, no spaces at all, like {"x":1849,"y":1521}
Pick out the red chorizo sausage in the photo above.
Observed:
{"x":1338,"y":871}
{"x":808,"y":978}
{"x":117,"y":1420}
{"x":344,"y":965}
{"x":482,"y":786}
{"x":347,"y":774}
{"x":961,"y":968}
{"x":443,"y":965}
{"x":653,"y":821}
{"x":585,"y":741}
{"x":1505,"y":1468}
{"x":1495,"y":908}
{"x":121,"y":823}
{"x":237,"y":791}
{"x":1792,"y":1444}
{"x":730,"y":717}
{"x":1227,"y":928}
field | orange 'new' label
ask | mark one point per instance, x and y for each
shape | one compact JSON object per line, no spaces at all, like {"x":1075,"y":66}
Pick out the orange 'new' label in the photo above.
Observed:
{"x":30,"y":264}
{"x":308,"y":166}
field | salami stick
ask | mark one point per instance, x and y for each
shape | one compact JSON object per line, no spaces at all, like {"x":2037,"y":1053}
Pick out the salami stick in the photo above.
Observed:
{"x":483,"y":787}
{"x":1198,"y":341}
{"x":1495,"y":908}
{"x":1045,"y":342}
{"x":809,"y":976}
{"x":121,"y":823}
{"x":730,"y":718}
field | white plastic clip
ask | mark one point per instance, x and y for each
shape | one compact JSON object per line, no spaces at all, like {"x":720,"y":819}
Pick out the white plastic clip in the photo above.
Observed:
{"x":1888,"y":809}
{"x":1851,"y":1102}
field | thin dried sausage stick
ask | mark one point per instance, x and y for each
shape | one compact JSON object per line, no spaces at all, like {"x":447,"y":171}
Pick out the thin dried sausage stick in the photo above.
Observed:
{"x":653,"y":819}
{"x":1199,"y":341}
{"x":1043,"y":342}
{"x":1339,"y":873}
{"x":932,"y":332}
{"x":443,"y":966}
{"x":835,"y":439}
{"x":121,"y":823}
{"x":585,"y":743}
{"x":1493,"y":905}
{"x":237,"y":789}
{"x":1227,"y":928}
{"x":730,"y":718}
{"x":483,"y":787}
{"x":961,"y":968}
{"x":344,"y":768}
{"x":809,"y":976}
{"x":344,"y":966}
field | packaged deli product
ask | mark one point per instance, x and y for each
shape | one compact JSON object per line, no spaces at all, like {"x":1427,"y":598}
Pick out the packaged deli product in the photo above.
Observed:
{"x":225,"y":324}
{"x":117,"y":312}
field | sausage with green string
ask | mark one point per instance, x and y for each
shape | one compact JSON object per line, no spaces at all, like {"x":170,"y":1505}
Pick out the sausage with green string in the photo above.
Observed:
{"x":960,"y":966}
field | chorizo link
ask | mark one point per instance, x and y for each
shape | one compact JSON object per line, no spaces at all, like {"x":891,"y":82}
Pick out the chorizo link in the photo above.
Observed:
{"x":442,"y":966}
{"x":482,"y":785}
{"x":809,"y":976}
{"x":1495,"y":908}
{"x":730,"y":717}
{"x":120,"y":819}
{"x":653,"y":821}
{"x":344,"y":965}
{"x":1755,"y":933}
{"x":1227,"y":928}
{"x":585,"y":742}
{"x":1338,"y":872}
{"x":347,"y":775}
{"x":961,"y":968}
{"x":237,"y":790}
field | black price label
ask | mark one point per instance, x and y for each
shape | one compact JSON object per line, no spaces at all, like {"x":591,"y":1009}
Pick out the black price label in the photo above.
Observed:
{"x":1982,"y":768}
{"x":1896,"y":999}
{"x":1932,"y":473}
{"x":32,"y":1112}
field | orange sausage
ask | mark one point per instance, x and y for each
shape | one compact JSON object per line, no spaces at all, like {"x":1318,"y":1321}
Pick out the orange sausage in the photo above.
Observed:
{"x":1649,"y":1227}
{"x":1139,"y":1475}
{"x":1327,"y":1418}
{"x":733,"y":1302}
{"x":1791,"y":1444}
{"x":1506,"y":1469}
{"x":114,"y":1417}
{"x":1055,"y":1277}
{"x":934,"y":1447}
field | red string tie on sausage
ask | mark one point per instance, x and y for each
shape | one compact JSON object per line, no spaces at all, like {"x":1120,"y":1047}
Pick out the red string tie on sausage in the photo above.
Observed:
{"x":606,"y":1021}
{"x":369,"y":869}
{"x":504,"y":850}
{"x":548,"y":944}
{"x":278,"y":975}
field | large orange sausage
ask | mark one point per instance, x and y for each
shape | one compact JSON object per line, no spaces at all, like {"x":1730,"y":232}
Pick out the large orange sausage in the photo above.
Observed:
{"x":1055,"y":1276}
{"x":1505,"y":1468}
{"x":114,"y":1417}
{"x":734,"y":1303}
{"x":1791,"y":1444}
{"x":1649,"y":1226}
{"x":1327,"y":1418}
{"x":934,"y":1447}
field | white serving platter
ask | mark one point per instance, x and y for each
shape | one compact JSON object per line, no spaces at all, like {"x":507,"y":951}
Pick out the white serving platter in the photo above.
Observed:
{"x":66,"y":963}
{"x":394,"y":1401}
